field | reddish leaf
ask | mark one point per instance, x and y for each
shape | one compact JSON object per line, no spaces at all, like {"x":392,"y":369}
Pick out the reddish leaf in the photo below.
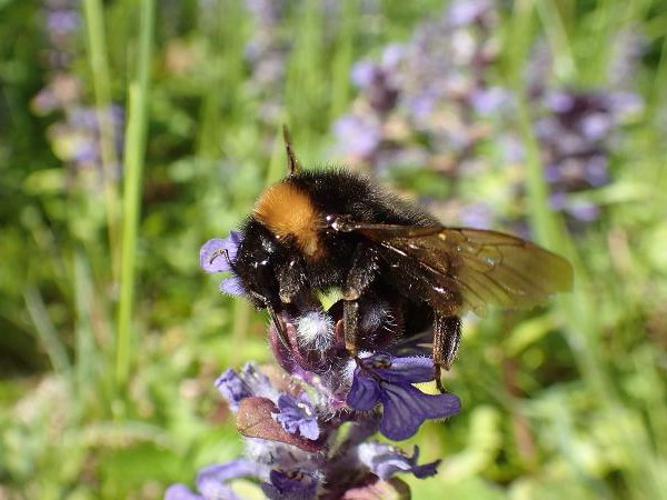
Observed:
{"x":255,"y":420}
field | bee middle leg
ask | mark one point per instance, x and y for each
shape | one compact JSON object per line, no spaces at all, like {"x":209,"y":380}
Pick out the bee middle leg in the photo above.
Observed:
{"x":361,"y":275}
{"x":446,"y":339}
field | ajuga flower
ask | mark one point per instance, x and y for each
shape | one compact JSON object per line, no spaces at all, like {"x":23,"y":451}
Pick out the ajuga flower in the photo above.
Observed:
{"x":297,"y":416}
{"x":386,"y":380}
{"x":215,"y":257}
{"x":291,"y":420}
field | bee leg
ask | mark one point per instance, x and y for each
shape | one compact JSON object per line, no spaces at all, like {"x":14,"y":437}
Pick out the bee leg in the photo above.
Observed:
{"x":362,"y":273}
{"x":350,"y":325}
{"x":446,"y":339}
{"x":291,"y":280}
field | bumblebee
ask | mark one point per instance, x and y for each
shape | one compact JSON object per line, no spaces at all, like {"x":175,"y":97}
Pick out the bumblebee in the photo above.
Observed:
{"x":315,"y":231}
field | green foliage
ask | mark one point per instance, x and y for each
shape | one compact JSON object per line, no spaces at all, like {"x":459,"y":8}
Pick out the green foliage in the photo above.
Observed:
{"x":569,"y":402}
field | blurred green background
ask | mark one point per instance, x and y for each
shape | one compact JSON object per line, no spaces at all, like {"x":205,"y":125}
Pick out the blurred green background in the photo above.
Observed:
{"x":133,"y":131}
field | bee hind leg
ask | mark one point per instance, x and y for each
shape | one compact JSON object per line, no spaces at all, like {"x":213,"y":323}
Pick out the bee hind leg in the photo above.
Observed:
{"x":361,"y":275}
{"x":350,"y":325}
{"x":446,"y":339}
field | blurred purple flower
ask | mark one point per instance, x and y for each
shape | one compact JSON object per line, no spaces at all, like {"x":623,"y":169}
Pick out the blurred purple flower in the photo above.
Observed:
{"x":490,"y":100}
{"x":212,"y":482}
{"x":63,"y":21}
{"x":575,"y":135}
{"x":478,"y":216}
{"x":358,"y":135}
{"x":464,"y":12}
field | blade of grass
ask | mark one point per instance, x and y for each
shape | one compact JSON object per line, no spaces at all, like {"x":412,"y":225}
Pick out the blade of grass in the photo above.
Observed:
{"x":135,"y":146}
{"x":552,"y":22}
{"x":581,"y":331}
{"x":342,"y":60}
{"x":86,"y":356}
{"x":99,"y":68}
{"x":46,"y":332}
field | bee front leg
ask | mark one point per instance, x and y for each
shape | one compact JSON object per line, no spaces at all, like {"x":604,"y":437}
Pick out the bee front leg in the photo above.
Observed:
{"x":361,"y":275}
{"x":291,"y":280}
{"x":446,"y":339}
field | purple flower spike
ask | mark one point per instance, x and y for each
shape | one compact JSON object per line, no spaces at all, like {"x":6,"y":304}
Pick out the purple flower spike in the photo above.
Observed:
{"x":298,"y":415}
{"x":290,"y":487}
{"x":385,"y":461}
{"x":382,"y":378}
{"x":212,"y":257}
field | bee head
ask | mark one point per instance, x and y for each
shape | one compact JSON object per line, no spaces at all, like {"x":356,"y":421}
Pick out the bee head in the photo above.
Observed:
{"x":258,"y":257}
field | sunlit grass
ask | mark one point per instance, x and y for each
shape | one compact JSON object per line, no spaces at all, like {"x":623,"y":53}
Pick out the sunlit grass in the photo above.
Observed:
{"x":104,"y":313}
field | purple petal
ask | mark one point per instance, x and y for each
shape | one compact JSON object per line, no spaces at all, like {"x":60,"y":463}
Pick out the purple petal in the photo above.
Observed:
{"x":231,"y":470}
{"x":358,"y":135}
{"x":298,"y":415}
{"x":309,"y":429}
{"x":424,"y":470}
{"x":233,"y":388}
{"x":364,"y":393}
{"x":181,"y":492}
{"x":385,"y":461}
{"x":211,"y":480}
{"x":490,"y":100}
{"x":232,"y":286}
{"x":364,"y":73}
{"x":212,"y":258}
{"x":584,"y":211}
{"x":408,"y":369}
{"x":284,"y":487}
{"x":465,"y":12}
{"x":406,"y":408}
{"x":393,"y":54}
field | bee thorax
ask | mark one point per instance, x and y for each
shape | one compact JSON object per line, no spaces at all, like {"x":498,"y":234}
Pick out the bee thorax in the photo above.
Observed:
{"x":289,"y":213}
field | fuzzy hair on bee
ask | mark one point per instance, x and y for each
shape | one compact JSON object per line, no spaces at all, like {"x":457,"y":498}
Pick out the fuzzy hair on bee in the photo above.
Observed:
{"x":319,"y":230}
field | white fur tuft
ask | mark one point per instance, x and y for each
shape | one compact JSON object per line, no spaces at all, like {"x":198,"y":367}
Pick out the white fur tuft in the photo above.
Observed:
{"x":315,"y":330}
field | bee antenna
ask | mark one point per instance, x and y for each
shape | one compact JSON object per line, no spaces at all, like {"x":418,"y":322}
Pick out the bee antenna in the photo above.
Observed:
{"x":292,"y":161}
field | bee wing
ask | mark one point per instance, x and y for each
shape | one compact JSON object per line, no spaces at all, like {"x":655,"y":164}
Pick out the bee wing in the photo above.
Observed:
{"x":486,"y":268}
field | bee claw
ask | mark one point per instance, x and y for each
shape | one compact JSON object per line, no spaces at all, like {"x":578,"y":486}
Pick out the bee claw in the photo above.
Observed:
{"x":438,"y":380}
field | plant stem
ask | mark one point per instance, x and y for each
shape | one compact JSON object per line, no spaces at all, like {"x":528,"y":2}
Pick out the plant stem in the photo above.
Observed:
{"x":135,"y":146}
{"x":99,"y":67}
